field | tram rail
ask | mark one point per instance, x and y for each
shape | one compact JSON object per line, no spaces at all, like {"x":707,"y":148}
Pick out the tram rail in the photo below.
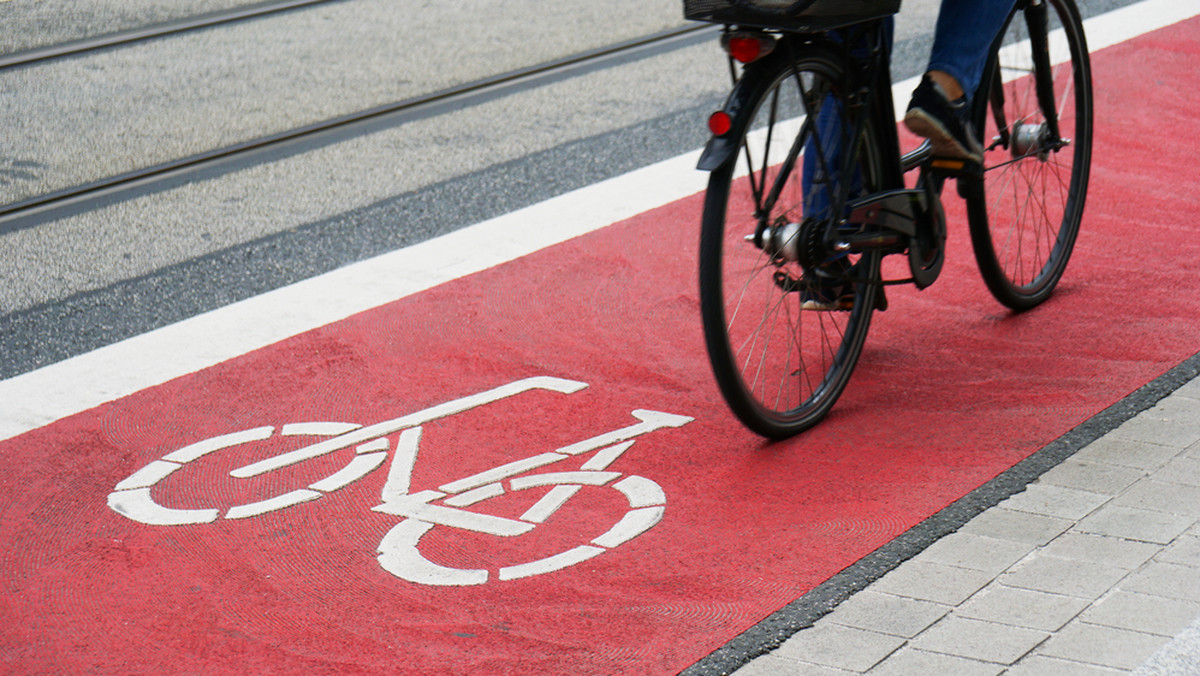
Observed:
{"x":151,"y":32}
{"x":32,"y":211}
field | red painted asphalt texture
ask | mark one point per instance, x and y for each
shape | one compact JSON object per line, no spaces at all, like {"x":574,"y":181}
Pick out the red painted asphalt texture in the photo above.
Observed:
{"x":952,"y":390}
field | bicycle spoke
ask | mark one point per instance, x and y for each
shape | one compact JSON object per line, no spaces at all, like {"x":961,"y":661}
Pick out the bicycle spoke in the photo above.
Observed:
{"x":1026,"y":223}
{"x":780,"y":366}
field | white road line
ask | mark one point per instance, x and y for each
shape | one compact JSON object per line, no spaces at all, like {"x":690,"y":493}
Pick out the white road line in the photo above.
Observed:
{"x":550,"y":563}
{"x":40,"y":397}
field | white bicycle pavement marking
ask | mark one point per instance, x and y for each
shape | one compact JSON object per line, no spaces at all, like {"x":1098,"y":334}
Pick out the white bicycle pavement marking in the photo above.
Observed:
{"x":399,"y":550}
{"x":412,"y":420}
{"x":132,"y":497}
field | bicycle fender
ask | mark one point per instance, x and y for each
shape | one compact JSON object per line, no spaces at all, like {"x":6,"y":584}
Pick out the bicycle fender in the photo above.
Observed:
{"x":717,"y":153}
{"x":721,"y":150}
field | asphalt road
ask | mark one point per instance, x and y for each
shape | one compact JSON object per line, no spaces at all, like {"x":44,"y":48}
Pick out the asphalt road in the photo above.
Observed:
{"x":31,"y":25}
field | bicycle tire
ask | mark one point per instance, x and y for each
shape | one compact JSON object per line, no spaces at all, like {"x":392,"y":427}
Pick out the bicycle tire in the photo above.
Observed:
{"x":1026,"y":213}
{"x":780,"y":368}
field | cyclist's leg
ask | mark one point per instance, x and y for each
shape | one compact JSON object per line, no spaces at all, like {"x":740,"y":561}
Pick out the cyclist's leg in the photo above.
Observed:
{"x":823,"y":158}
{"x":816,"y":204}
{"x":939,"y":108}
{"x":965,"y":32}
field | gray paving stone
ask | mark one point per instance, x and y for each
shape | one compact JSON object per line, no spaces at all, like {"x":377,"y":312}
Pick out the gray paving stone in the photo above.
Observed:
{"x":1040,"y":665}
{"x":1165,"y":579}
{"x":1127,"y":453}
{"x":1057,"y":501}
{"x":935,"y":582}
{"x":1006,"y":524}
{"x":1097,"y":477}
{"x":1119,"y":521}
{"x":1160,"y":496}
{"x":1184,"y":551}
{"x":1171,"y":423}
{"x":1134,"y":524}
{"x":979,"y":640}
{"x":1103,"y":646}
{"x":1083,"y":579}
{"x":1192,"y":451}
{"x":1022,"y":607}
{"x":773,"y":665}
{"x":1191,"y":390}
{"x":888,"y":614}
{"x":1120,"y":552}
{"x":909,"y":661}
{"x":1180,"y":656}
{"x":977,"y":552}
{"x":1172,"y":408}
{"x":1142,"y":612}
{"x":832,"y":645}
{"x":1182,"y":470}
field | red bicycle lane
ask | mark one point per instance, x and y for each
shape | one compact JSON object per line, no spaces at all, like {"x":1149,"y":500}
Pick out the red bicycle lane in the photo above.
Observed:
{"x":951,"y":391}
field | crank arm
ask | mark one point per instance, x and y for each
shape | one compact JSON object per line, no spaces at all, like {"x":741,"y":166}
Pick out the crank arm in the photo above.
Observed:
{"x":897,"y":211}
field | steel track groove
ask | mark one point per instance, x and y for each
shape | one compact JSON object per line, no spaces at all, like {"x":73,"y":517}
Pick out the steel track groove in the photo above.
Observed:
{"x":121,"y":38}
{"x":13,"y":214}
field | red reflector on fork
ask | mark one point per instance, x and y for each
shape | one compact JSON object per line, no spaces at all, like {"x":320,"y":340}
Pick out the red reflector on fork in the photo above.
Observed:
{"x":719,"y":123}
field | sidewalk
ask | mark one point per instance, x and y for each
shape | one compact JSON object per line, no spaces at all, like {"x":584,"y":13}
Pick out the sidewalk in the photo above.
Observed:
{"x":1093,"y":569}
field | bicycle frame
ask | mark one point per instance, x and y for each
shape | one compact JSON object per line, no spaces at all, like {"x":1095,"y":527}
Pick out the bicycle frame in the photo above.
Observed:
{"x":899,"y":216}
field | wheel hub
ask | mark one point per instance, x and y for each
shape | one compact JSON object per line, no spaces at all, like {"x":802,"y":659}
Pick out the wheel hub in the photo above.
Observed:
{"x":788,"y":242}
{"x":782,"y":241}
{"x":1028,"y":139}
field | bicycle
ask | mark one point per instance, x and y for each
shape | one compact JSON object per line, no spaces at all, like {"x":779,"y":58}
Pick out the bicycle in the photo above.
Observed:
{"x":820,"y":198}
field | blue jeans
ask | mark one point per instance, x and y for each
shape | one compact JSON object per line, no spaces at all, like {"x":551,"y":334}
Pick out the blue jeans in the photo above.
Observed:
{"x":965,"y":31}
{"x":964,"y":34}
{"x":823,"y":150}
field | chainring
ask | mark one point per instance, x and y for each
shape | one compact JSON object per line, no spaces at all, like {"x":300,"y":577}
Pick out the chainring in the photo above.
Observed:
{"x":927,"y":249}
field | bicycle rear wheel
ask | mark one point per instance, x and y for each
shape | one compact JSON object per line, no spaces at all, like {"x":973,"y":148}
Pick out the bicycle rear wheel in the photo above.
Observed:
{"x":1025,"y":220}
{"x":780,"y":367}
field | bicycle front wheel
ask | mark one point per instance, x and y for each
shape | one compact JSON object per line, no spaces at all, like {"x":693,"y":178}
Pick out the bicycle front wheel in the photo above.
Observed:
{"x":779,"y":365}
{"x":1025,"y":220}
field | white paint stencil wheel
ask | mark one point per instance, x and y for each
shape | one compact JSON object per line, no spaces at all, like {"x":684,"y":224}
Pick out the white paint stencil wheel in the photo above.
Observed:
{"x":400,"y":555}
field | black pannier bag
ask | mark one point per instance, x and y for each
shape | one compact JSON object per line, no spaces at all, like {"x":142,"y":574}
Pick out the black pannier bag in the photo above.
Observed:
{"x":804,"y":16}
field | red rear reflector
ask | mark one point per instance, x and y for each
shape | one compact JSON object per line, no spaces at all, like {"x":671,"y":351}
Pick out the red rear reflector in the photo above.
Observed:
{"x":747,"y":46}
{"x":720,"y":123}
{"x":745,"y":49}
